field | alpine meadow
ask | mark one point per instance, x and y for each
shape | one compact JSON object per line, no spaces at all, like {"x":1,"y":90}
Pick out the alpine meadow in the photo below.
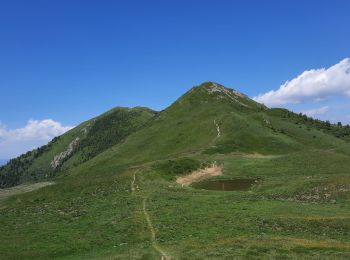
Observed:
{"x":216,"y":175}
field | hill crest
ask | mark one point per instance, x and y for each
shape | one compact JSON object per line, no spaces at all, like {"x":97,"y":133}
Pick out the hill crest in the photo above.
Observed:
{"x":209,"y":118}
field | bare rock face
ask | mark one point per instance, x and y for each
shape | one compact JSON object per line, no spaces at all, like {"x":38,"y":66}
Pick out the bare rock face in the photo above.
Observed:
{"x":231,"y":94}
{"x":58,"y":159}
{"x":219,"y":88}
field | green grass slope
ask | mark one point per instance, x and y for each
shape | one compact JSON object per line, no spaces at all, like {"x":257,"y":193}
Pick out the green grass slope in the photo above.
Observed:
{"x":124,"y":202}
{"x":86,"y":140}
{"x":190,"y":125}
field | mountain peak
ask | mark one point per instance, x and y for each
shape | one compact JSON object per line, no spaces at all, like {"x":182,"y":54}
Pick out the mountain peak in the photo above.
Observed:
{"x":213,"y":87}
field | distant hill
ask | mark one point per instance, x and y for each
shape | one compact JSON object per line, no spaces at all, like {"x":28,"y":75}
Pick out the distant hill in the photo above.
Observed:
{"x":76,"y":146}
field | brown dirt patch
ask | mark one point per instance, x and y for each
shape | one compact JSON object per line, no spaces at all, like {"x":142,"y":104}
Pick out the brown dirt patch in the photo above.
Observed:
{"x":212,"y":170}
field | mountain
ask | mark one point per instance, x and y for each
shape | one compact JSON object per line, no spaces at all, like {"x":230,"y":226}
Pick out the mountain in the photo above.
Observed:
{"x":114,"y":193}
{"x":76,"y":146}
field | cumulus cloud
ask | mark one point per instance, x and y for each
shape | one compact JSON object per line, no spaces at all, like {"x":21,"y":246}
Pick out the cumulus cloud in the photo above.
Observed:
{"x":316,"y":111}
{"x":311,"y":85}
{"x":35,"y":133}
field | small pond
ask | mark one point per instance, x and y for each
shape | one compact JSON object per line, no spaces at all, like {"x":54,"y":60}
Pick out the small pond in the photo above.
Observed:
{"x":225,"y":185}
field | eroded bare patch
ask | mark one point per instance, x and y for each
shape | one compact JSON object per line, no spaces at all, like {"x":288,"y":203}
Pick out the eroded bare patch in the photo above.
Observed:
{"x":212,"y":170}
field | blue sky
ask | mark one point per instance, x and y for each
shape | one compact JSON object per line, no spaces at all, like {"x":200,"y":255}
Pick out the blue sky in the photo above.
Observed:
{"x":68,"y":61}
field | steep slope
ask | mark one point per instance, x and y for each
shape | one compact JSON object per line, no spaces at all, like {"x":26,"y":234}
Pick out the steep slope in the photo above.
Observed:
{"x":212,"y":119}
{"x":76,"y":146}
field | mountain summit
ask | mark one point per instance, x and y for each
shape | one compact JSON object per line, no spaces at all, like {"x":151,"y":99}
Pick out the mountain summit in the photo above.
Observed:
{"x":220,"y":92}
{"x":213,"y":87}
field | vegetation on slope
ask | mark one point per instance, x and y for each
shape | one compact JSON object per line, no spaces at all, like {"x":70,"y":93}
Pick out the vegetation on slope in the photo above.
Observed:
{"x":338,"y":130}
{"x":111,"y":128}
{"x":93,"y":137}
{"x":298,"y":209}
{"x":18,"y":170}
{"x":169,"y":169}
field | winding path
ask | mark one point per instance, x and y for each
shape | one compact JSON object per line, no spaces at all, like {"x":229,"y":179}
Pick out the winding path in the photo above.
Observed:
{"x":153,"y":233}
{"x":217,"y":128}
{"x":133,"y":182}
{"x":164,"y":256}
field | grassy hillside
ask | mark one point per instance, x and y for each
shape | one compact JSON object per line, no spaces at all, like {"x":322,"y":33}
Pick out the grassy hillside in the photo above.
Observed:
{"x":86,"y":141}
{"x":123,"y":201}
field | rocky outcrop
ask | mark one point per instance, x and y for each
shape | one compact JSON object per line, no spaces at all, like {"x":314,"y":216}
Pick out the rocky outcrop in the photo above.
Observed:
{"x":231,"y":94}
{"x":58,"y":159}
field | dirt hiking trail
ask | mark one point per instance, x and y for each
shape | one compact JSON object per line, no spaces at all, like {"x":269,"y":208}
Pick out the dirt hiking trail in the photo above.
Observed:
{"x":164,"y":255}
{"x":153,"y":233}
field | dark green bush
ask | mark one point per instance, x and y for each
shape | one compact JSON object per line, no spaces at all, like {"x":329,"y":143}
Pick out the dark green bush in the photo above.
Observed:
{"x":182,"y":166}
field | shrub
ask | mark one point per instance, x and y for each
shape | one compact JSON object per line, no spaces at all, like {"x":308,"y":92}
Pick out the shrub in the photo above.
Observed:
{"x":182,"y":166}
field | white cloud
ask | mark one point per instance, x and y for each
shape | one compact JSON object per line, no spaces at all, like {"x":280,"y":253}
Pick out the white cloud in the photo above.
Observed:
{"x":311,"y":85}
{"x":316,"y":111}
{"x":35,"y":133}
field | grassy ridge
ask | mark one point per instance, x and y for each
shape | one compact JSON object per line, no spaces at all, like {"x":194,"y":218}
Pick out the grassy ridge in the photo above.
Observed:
{"x":299,"y":208}
{"x":95,"y":136}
